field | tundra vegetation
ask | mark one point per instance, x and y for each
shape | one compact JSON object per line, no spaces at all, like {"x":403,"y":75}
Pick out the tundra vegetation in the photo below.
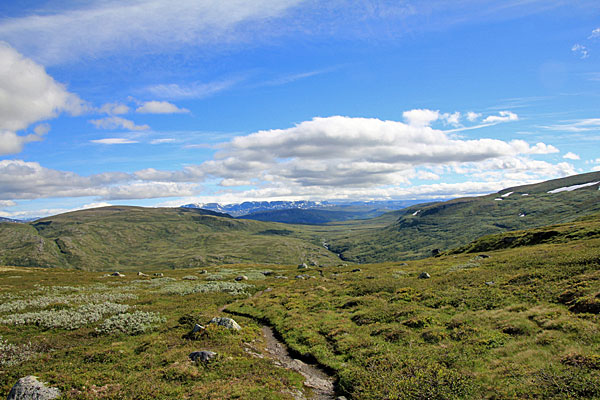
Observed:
{"x":513,"y":315}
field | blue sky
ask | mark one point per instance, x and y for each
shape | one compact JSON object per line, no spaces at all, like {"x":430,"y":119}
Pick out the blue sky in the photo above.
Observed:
{"x":161,"y":103}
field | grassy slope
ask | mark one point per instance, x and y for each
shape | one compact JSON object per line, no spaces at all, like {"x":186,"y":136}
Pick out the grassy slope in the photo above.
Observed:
{"x":121,"y":238}
{"x":522,"y":323}
{"x":450,"y":224}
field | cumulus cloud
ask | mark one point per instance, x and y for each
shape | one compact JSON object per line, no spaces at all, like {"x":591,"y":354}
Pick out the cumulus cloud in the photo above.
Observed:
{"x":160,"y":107}
{"x":420,"y":117}
{"x":571,"y":156}
{"x":28,"y":95}
{"x":114,"y":109}
{"x":29,"y":180}
{"x":473,"y":116}
{"x":595,"y":34}
{"x":7,"y":203}
{"x":114,"y":122}
{"x":504,"y":116}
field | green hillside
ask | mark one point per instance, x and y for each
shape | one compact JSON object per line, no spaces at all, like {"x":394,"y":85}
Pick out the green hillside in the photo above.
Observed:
{"x":421,"y":229}
{"x":121,"y":238}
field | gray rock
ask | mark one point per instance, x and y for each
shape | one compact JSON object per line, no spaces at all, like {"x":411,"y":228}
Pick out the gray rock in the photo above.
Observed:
{"x":197,"y":328}
{"x":281,"y":277}
{"x":203,"y":272}
{"x":160,"y":274}
{"x":29,"y":388}
{"x":141,"y":274}
{"x":203,"y":356}
{"x":225,"y":322}
{"x":356,"y":270}
{"x":303,"y":266}
{"x":490,"y":283}
{"x":117,"y":274}
{"x":424,"y":275}
{"x":241,"y":278}
{"x":303,"y":276}
{"x":268,"y":273}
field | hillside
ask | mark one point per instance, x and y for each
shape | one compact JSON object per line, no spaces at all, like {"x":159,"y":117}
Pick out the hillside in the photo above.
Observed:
{"x":311,"y":216}
{"x":120,"y":238}
{"x":421,"y":229}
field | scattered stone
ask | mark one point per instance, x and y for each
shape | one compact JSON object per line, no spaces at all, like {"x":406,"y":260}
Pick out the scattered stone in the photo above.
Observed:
{"x":225,"y":322}
{"x":341,"y":398}
{"x":141,"y":274}
{"x":356,"y":270}
{"x":483,"y":256}
{"x":159,"y":274}
{"x":402,"y":264}
{"x":203,"y":272}
{"x":281,"y":277}
{"x":303,"y":266}
{"x":424,"y":275}
{"x":490,"y":283}
{"x":197,"y":328}
{"x":303,"y":276}
{"x":268,"y":273}
{"x":203,"y":356}
{"x":117,"y":274}
{"x":29,"y":388}
{"x":314,"y":264}
{"x":241,"y":278}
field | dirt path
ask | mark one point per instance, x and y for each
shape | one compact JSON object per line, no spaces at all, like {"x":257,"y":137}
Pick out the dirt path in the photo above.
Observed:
{"x":321,"y":383}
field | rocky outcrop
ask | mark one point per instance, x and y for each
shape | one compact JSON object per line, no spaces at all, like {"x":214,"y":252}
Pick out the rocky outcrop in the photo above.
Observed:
{"x":29,"y":388}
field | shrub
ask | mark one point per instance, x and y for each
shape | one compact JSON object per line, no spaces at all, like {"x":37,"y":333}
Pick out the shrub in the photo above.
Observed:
{"x":66,"y":319}
{"x":11,"y":354}
{"x":133,"y":323}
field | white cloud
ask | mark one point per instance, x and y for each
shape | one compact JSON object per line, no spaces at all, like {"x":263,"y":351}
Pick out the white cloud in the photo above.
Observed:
{"x":114,"y":108}
{"x":161,"y":141}
{"x":581,"y":51}
{"x":7,"y":203}
{"x":114,"y":141}
{"x":160,"y":107}
{"x":504,"y":116}
{"x":571,"y":156}
{"x":420,"y":117}
{"x":473,"y":116}
{"x":452,"y":119}
{"x":596,"y":168}
{"x":595,"y":34}
{"x":28,"y":95}
{"x":118,"y":123}
{"x":580,"y":125}
{"x":29,"y":180}
{"x":196,"y":90}
{"x":139,"y":25}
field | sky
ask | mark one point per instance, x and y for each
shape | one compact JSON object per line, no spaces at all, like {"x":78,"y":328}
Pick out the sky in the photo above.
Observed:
{"x":164,"y":103}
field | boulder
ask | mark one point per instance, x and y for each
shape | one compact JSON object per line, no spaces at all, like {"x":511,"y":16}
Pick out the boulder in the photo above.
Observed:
{"x":117,"y":274}
{"x":424,"y":275}
{"x":303,"y":266}
{"x":303,"y":276}
{"x":197,"y":328}
{"x":203,"y":356}
{"x":141,"y":274}
{"x":241,"y":278}
{"x":225,"y":322}
{"x":29,"y":388}
{"x":159,"y":274}
{"x":356,"y":270}
{"x":268,"y":273}
{"x":203,"y":272}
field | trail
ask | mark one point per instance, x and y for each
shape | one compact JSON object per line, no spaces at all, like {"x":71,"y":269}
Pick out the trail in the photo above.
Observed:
{"x":321,"y":383}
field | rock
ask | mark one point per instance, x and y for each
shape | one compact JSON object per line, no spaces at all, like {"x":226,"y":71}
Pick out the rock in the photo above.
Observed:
{"x":29,"y":388}
{"x":141,"y":274}
{"x":341,"y":398}
{"x":490,"y":283}
{"x":356,"y":270}
{"x":197,"y":328}
{"x":303,"y":276}
{"x":202,"y":356}
{"x":303,"y":266}
{"x":225,"y":322}
{"x":203,"y":271}
{"x":117,"y":274}
{"x":241,"y":278}
{"x":402,"y":264}
{"x":424,"y":275}
{"x":281,"y":277}
{"x":159,"y":274}
{"x":483,"y":256}
{"x":268,"y":273}
{"x":435,"y":252}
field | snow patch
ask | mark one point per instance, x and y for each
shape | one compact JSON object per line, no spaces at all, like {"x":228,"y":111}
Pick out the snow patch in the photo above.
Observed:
{"x":522,"y":215}
{"x":525,"y":194}
{"x":498,"y":199}
{"x":506,"y":194}
{"x":571,"y":188}
{"x":416,"y":212}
